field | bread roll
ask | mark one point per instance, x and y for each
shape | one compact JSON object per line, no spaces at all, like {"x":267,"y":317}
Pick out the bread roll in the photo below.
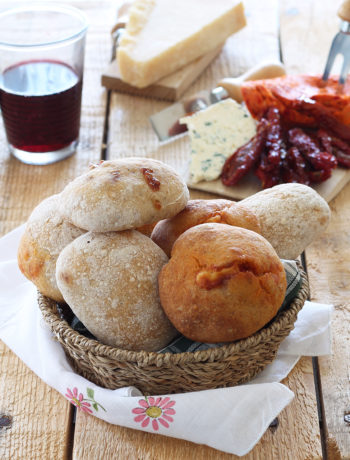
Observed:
{"x":198,"y":212}
{"x":146,"y":229}
{"x":47,"y":232}
{"x":222,"y":283}
{"x":290,"y":216}
{"x":124,"y":194}
{"x":110,"y":282}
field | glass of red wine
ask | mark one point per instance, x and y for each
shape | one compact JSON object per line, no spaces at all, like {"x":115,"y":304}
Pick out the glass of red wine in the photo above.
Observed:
{"x":41,"y":77}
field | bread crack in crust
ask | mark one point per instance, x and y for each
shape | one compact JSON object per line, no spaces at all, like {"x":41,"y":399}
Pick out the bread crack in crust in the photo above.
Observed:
{"x":216,"y":275}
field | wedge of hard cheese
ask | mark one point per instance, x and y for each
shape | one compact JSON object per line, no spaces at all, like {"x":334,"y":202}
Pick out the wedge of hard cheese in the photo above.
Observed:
{"x":164,"y":35}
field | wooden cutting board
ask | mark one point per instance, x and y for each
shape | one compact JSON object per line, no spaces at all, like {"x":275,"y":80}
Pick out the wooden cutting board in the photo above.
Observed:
{"x":178,"y":151}
{"x":169,"y":88}
{"x":250,"y":185}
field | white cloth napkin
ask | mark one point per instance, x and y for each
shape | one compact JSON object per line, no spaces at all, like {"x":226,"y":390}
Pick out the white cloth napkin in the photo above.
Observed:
{"x":229,"y":419}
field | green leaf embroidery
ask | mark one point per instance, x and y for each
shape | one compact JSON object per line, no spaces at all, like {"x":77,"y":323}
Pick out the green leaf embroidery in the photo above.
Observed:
{"x":91,"y":398}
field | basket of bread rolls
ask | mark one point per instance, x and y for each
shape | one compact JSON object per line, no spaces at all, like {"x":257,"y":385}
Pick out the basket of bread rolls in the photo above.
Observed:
{"x":125,"y":254}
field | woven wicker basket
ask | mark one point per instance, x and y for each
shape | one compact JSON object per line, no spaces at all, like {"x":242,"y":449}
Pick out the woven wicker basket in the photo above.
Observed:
{"x":161,"y":373}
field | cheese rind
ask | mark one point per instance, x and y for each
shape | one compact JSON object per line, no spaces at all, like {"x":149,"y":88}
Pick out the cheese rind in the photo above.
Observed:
{"x":162,"y":36}
{"x":216,"y":132}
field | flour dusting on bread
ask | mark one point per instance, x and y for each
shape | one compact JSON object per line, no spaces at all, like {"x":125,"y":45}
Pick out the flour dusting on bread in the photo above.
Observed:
{"x":291,"y":216}
{"x":110,"y":282}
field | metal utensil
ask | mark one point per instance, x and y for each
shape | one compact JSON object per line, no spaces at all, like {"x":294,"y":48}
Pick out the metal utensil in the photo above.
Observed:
{"x":119,"y":27}
{"x":166,"y":122}
{"x":340,"y":45}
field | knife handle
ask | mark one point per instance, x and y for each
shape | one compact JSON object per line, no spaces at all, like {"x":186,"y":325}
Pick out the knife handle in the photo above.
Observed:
{"x":122,"y":17}
{"x":344,"y":11}
{"x":267,"y":69}
{"x":119,"y":27}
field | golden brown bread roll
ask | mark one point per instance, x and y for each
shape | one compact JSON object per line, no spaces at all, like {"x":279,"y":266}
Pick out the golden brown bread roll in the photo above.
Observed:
{"x":124,"y":194}
{"x":198,"y":212}
{"x":222,"y":283}
{"x":110,"y":282}
{"x":47,"y":233}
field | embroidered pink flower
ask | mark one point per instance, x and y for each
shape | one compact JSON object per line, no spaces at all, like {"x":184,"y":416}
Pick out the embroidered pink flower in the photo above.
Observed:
{"x":78,"y":400}
{"x":159,"y":410}
{"x":83,"y":403}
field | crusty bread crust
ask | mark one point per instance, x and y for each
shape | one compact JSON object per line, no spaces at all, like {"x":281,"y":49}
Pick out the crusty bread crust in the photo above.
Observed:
{"x":47,"y":232}
{"x":222,"y":283}
{"x":199,"y":212}
{"x":110,"y":282}
{"x":146,"y":229}
{"x":124,"y":194}
{"x":291,"y":216}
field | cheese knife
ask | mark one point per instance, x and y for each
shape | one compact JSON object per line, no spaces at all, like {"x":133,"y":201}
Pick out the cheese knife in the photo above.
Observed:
{"x":166,"y":123}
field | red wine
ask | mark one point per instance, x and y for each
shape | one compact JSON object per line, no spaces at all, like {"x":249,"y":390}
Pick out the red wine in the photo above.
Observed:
{"x":40,"y":103}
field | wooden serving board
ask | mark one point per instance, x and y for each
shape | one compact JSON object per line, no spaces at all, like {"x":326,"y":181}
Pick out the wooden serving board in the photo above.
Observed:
{"x":169,"y":88}
{"x":177,"y":154}
{"x":250,"y":185}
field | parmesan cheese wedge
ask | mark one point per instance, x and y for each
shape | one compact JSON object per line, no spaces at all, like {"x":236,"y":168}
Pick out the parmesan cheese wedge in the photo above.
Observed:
{"x":162,"y":36}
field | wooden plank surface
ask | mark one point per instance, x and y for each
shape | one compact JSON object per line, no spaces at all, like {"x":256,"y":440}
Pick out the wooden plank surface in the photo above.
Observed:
{"x":40,"y":420}
{"x":297,"y":435}
{"x":329,"y":271}
{"x":328,"y":258}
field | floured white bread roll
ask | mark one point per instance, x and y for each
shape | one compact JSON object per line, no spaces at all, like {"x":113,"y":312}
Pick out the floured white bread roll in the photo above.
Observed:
{"x":47,"y":233}
{"x":123,"y":194}
{"x":110,"y":282}
{"x":290,"y":217}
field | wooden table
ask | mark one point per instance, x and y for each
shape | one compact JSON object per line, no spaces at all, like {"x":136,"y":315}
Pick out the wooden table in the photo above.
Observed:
{"x":38,"y":423}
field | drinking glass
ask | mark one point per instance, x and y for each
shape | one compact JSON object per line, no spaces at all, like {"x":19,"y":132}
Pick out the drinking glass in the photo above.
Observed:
{"x":41,"y":76}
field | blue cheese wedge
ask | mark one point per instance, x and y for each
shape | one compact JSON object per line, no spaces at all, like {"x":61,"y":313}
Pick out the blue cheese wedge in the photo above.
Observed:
{"x":215,"y":133}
